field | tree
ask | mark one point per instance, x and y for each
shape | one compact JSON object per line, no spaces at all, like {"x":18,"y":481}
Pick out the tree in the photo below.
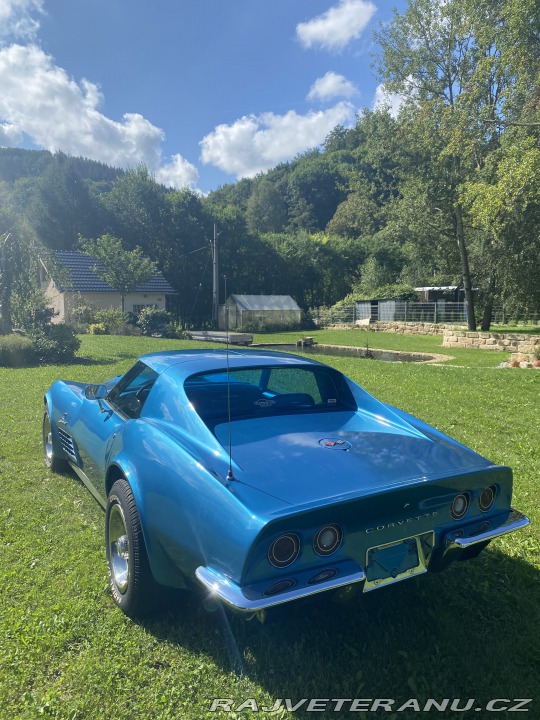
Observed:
{"x":57,"y":204}
{"x":124,"y":270}
{"x":355,"y":217}
{"x":138,"y":211}
{"x":5,"y":286}
{"x":444,"y":58}
{"x":266,"y":209}
{"x":314,"y":190}
{"x":246,"y":260}
{"x":504,"y":203}
{"x":172,"y":227}
{"x":503,"y":197}
{"x":469,"y":73}
{"x":18,"y":260}
{"x":186,"y":261}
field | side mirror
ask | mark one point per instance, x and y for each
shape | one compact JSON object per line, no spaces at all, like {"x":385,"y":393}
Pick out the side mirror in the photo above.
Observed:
{"x":95,"y":392}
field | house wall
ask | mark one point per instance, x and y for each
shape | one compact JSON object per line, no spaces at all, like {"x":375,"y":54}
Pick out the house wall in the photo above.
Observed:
{"x":157,"y":299}
{"x":64,"y":303}
{"x":102,"y":301}
{"x":55,"y":300}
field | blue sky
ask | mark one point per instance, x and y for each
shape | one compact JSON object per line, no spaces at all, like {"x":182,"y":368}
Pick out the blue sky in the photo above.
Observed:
{"x":203,"y":92}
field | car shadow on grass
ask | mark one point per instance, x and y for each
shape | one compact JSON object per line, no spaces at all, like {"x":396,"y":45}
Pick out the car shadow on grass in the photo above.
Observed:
{"x":469,"y":632}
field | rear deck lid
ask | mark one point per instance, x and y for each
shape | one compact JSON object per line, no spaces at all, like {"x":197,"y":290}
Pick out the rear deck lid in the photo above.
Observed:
{"x":318,"y":457}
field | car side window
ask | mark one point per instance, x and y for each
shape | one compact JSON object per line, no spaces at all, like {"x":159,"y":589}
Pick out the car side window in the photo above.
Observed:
{"x":130,"y":394}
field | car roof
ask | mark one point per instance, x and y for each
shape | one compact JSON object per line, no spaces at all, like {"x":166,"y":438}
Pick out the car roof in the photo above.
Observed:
{"x":188,"y":362}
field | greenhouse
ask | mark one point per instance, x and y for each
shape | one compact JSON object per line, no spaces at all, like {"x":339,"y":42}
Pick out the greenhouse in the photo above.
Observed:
{"x":256,"y":313}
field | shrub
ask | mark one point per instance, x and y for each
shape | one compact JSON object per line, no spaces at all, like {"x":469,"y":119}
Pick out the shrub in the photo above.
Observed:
{"x":111,"y":318}
{"x":55,"y":343}
{"x":16,"y":351}
{"x":51,"y":342}
{"x":81,"y":312}
{"x":126,"y":328}
{"x":31,"y":310}
{"x":97,"y":329}
{"x":306,"y":321}
{"x":153,"y":321}
{"x":171,"y":330}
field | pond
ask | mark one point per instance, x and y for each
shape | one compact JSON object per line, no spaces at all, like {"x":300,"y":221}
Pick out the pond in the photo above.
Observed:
{"x":359,"y":352}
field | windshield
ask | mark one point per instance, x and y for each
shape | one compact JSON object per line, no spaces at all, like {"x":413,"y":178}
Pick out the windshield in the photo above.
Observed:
{"x":262,"y":391}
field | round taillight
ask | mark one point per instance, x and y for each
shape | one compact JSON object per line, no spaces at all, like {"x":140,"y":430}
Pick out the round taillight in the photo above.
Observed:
{"x":284,"y":550}
{"x":487,"y":498}
{"x":280,"y":586}
{"x":327,"y":540}
{"x":460,"y":505}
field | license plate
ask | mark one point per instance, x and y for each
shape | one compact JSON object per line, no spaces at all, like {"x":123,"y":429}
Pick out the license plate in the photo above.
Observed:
{"x":390,"y":563}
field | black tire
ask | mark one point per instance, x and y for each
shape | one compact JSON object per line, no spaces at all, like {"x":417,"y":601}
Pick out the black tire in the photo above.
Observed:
{"x":133,"y":587}
{"x":54,"y":463}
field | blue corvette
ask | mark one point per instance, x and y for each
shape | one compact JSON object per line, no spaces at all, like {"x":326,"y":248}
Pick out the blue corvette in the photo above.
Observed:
{"x":266,"y":477}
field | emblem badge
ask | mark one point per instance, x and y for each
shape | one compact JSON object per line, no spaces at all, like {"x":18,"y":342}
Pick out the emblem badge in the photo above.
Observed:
{"x":335,"y":444}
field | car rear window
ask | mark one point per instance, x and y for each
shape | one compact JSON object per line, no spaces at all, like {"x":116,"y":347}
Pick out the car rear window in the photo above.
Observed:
{"x":256,"y":392}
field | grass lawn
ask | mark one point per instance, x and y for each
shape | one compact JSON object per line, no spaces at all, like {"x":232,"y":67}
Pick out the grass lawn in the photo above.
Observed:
{"x":528,"y":329}
{"x":469,"y":632}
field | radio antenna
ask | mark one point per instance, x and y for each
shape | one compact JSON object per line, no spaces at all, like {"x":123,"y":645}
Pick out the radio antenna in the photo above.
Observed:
{"x":230,"y":475}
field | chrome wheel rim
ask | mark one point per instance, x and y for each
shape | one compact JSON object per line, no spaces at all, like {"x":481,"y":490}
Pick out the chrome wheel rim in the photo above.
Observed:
{"x":118,"y":549}
{"x":47,"y":439}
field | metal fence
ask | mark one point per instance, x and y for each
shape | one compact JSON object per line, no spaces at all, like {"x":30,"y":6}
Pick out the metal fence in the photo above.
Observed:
{"x":398,"y":311}
{"x":435,"y":312}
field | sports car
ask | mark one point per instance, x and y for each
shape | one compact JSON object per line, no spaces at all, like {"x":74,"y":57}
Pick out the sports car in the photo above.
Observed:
{"x":262,"y":477}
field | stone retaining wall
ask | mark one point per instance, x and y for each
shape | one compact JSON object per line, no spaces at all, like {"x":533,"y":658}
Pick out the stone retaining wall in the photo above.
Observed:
{"x":411,"y":328}
{"x":522,"y":347}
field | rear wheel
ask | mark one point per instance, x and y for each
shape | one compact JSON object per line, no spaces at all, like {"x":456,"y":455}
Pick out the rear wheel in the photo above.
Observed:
{"x":54,"y":463}
{"x":132,"y":584}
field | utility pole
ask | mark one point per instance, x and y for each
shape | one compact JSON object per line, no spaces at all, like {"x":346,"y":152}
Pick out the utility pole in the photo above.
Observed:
{"x":215,"y":281}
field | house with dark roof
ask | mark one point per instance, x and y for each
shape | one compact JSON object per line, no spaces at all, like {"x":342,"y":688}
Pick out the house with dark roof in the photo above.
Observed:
{"x":74,"y":281}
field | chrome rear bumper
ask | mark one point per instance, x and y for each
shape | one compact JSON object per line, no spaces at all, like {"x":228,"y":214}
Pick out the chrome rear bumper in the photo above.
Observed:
{"x":485,"y":531}
{"x":231,"y":594}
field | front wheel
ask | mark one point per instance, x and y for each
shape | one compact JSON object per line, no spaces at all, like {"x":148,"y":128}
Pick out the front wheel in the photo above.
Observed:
{"x":132,"y":584}
{"x":54,"y":463}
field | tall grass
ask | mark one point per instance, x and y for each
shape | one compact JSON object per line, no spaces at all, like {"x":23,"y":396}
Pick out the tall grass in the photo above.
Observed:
{"x":67,"y":652}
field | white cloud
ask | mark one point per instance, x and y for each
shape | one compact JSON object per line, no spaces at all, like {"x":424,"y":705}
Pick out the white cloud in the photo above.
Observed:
{"x":393,"y":102}
{"x":41,"y":100}
{"x":254,"y":144}
{"x":335,"y":28}
{"x":331,"y":86}
{"x":17,"y":18}
{"x":178,"y":173}
{"x":9,"y":135}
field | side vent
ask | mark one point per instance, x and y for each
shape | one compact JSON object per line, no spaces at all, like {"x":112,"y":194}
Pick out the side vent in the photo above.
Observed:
{"x":67,"y":444}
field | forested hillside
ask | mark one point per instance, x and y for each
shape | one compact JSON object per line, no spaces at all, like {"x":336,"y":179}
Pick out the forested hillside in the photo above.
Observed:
{"x":447,"y":192}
